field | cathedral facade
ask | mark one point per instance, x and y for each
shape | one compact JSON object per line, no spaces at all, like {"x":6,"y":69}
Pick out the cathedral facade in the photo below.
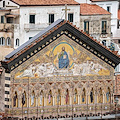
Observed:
{"x":61,"y":72}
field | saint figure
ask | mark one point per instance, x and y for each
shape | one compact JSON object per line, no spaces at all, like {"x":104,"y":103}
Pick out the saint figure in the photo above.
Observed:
{"x":32,"y":99}
{"x":67,"y":97}
{"x":41,"y":98}
{"x":15,"y":99}
{"x":107,"y":96}
{"x":23,"y":98}
{"x":83,"y":95}
{"x":49,"y":98}
{"x":75,"y":97}
{"x":58,"y":98}
{"x":63,"y":59}
{"x":91,"y":96}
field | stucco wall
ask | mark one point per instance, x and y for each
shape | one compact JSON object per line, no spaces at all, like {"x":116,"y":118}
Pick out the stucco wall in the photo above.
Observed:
{"x":42,"y":19}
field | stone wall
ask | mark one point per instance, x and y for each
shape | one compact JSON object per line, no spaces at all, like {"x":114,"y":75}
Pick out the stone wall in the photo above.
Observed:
{"x":95,"y":25}
{"x":2,"y":91}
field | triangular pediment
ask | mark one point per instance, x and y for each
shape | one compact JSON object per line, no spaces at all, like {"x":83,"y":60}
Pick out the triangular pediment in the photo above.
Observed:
{"x":53,"y":36}
{"x":63,"y":57}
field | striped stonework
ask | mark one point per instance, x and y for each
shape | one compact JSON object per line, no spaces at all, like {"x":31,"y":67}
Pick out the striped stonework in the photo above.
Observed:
{"x":7,"y":90}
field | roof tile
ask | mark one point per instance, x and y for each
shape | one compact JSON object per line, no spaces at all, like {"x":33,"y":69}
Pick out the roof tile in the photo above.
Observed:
{"x":45,"y":2}
{"x":91,"y":9}
{"x":118,"y":14}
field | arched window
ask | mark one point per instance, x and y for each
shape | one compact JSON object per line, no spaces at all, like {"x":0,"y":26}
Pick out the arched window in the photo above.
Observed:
{"x":84,"y":96}
{"x":8,"y":41}
{"x":15,"y":100}
{"x":2,"y":41}
{"x":17,"y":42}
{"x":104,"y":42}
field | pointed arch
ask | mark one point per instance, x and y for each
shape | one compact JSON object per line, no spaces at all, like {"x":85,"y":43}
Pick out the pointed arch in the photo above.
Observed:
{"x":75,"y":97}
{"x":32,"y":99}
{"x":8,"y":41}
{"x":83,"y":96}
{"x":15,"y":99}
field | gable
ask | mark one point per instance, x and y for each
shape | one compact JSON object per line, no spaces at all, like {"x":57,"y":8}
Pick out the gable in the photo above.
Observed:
{"x":8,"y":3}
{"x":39,"y":43}
{"x":51,"y":62}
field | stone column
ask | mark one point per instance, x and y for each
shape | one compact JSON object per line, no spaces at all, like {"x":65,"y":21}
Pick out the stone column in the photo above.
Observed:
{"x":104,"y":98}
{"x":53,"y":100}
{"x":78,"y":99}
{"x":71,"y":100}
{"x":45,"y":101}
{"x":95,"y":98}
{"x":62,"y":100}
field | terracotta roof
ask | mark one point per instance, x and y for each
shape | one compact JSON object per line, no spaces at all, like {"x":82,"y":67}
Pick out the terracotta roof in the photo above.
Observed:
{"x":45,"y":2}
{"x":90,"y":9}
{"x":118,"y":14}
{"x":101,"y":0}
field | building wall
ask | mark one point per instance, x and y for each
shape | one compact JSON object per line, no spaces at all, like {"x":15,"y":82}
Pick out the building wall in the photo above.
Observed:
{"x":8,"y":4}
{"x":114,"y":13}
{"x":42,"y":73}
{"x":95,"y":26}
{"x":27,"y":30}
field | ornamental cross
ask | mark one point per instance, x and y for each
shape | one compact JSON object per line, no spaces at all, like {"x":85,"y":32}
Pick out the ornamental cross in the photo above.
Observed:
{"x":65,"y":11}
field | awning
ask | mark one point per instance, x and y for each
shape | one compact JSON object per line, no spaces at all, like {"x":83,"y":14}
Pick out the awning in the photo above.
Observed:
{"x":12,"y":15}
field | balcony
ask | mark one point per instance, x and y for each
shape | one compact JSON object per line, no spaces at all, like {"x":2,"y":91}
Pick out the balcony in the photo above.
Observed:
{"x":41,"y":26}
{"x":6,"y":27}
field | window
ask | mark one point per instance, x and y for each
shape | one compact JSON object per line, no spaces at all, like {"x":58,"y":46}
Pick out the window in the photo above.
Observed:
{"x":118,"y":41}
{"x":104,"y":42}
{"x":30,"y":38}
{"x":9,"y":20}
{"x":2,"y":41}
{"x":70,"y":17}
{"x":2,"y":19}
{"x":17,"y":42}
{"x":118,"y":25}
{"x":8,"y":41}
{"x":51,"y":18}
{"x":3,"y":3}
{"x":108,"y":8}
{"x":86,"y":26}
{"x":104,"y":27}
{"x":32,"y":19}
